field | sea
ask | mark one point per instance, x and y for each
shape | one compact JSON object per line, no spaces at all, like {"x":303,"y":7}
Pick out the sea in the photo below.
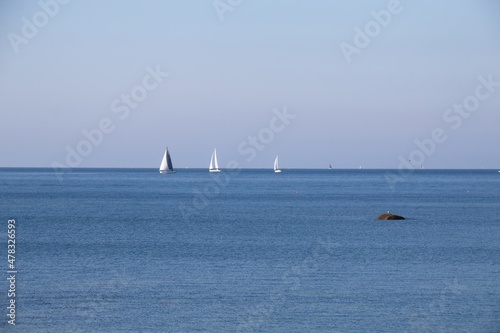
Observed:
{"x":133,"y":250}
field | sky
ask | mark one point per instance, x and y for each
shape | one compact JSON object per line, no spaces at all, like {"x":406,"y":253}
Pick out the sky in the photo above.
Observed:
{"x":349,"y":83}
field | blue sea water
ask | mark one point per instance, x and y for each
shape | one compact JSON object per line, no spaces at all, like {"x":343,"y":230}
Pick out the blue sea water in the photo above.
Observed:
{"x":132,"y":250}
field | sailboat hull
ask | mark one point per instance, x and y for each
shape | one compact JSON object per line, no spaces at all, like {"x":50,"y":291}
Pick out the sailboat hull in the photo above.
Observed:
{"x":167,"y":171}
{"x":214,"y":170}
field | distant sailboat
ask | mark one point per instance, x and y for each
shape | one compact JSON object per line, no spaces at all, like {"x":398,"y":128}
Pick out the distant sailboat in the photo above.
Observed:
{"x":166,"y":165}
{"x":214,"y":164}
{"x":276,"y":166}
{"x":330,"y":166}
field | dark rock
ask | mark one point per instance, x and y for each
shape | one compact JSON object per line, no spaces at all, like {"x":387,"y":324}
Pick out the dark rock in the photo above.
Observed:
{"x":389,"y":216}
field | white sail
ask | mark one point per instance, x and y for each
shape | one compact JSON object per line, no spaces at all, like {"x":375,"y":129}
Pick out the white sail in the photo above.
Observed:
{"x":166,"y":163}
{"x":276,"y":166}
{"x":163,"y":165}
{"x":214,"y":164}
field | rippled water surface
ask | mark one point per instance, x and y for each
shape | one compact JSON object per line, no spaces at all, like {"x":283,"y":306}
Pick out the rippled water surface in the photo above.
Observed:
{"x":119,"y":250}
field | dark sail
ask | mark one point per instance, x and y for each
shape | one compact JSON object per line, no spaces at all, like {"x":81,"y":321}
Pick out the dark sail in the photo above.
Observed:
{"x":170,"y":166}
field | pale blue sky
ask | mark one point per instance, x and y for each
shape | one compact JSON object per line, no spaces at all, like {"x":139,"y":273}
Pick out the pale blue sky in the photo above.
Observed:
{"x":226,"y":77}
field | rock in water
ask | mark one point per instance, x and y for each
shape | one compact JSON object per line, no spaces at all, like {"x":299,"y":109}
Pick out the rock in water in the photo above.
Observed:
{"x":389,"y":216}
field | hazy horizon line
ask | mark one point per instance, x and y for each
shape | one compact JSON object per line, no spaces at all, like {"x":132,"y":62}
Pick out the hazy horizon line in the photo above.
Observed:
{"x":247,"y":168}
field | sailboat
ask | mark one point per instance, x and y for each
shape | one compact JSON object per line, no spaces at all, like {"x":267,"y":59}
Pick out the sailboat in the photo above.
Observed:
{"x":276,"y":167}
{"x":214,"y":165}
{"x":166,"y":165}
{"x":330,"y":166}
